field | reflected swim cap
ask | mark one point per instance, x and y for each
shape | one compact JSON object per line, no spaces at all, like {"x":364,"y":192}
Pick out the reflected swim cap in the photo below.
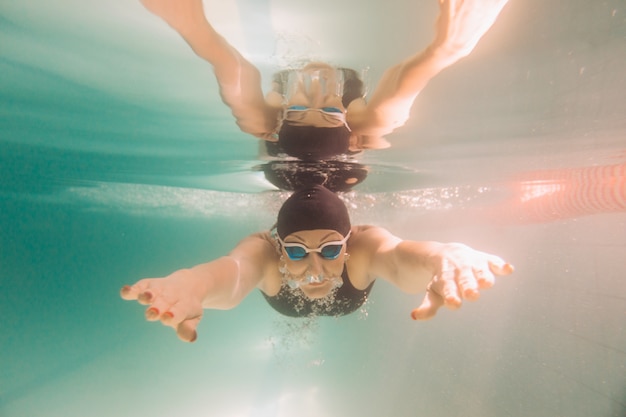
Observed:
{"x":313,"y":208}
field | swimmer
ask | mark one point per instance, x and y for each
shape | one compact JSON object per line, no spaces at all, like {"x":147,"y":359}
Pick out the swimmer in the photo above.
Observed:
{"x":315,"y":263}
{"x":318,"y":111}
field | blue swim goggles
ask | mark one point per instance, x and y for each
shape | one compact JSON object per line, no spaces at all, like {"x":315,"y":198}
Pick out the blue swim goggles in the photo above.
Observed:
{"x":322,"y":109}
{"x":329,"y":250}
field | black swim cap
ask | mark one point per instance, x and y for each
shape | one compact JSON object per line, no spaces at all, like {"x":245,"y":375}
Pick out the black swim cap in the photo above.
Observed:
{"x":313,"y":208}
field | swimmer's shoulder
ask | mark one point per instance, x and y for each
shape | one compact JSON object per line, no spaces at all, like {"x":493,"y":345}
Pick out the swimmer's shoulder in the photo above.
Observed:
{"x":367,"y":246}
{"x":260,"y":250}
{"x":367,"y":243}
{"x":370,"y":234}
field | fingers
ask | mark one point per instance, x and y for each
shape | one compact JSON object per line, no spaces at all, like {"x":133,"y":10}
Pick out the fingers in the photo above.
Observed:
{"x":445,"y":285}
{"x":468,"y":284}
{"x":186,"y":330}
{"x":158,"y":306}
{"x":146,"y":297}
{"x":131,"y":292}
{"x":185,"y":326}
{"x":165,"y":304}
{"x":465,"y":283}
{"x":431,"y":303}
{"x":179,"y":313}
{"x":457,"y":283}
{"x":451,"y":294}
{"x":177,"y":316}
{"x":499,"y":267}
{"x":484,"y":277}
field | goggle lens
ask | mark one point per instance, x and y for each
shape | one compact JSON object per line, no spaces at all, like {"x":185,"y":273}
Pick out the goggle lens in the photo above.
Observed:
{"x":331,"y":251}
{"x":295,"y":253}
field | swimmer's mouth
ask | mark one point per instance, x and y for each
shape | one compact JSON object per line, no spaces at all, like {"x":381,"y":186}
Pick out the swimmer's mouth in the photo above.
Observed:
{"x":314,"y":281}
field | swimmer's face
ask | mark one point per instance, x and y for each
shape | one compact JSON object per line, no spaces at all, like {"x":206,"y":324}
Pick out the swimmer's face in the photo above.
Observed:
{"x":313,"y":263}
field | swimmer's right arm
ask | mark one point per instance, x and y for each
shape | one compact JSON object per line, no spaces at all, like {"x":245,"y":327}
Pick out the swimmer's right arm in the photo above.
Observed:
{"x":178,"y":299}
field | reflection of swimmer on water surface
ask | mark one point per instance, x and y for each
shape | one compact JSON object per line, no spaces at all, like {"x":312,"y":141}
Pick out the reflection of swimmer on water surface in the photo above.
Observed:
{"x":315,"y":263}
{"x":292,"y":175}
{"x":318,"y":111}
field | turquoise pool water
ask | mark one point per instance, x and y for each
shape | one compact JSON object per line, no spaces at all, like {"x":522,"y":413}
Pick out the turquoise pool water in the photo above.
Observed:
{"x":118,"y":161}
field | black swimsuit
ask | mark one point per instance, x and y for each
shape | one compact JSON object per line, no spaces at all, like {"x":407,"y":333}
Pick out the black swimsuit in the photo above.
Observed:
{"x":345,"y":300}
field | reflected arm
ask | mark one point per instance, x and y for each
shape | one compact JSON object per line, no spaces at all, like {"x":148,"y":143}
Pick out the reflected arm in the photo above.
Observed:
{"x":460,"y":26}
{"x":239,"y":81}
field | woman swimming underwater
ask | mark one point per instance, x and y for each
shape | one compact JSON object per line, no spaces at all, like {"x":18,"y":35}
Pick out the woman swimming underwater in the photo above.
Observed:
{"x":314,"y":262}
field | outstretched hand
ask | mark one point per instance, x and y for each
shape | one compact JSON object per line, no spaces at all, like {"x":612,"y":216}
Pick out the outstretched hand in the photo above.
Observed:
{"x":171,"y":300}
{"x":460,"y":273}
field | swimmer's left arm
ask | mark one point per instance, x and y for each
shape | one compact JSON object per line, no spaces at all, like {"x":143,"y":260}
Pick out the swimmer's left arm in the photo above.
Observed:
{"x":454,"y":271}
{"x":449,"y":272}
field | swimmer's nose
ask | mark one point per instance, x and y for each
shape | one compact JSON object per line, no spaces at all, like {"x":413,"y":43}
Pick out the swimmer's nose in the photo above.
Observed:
{"x":315,"y":264}
{"x":316,"y":95}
